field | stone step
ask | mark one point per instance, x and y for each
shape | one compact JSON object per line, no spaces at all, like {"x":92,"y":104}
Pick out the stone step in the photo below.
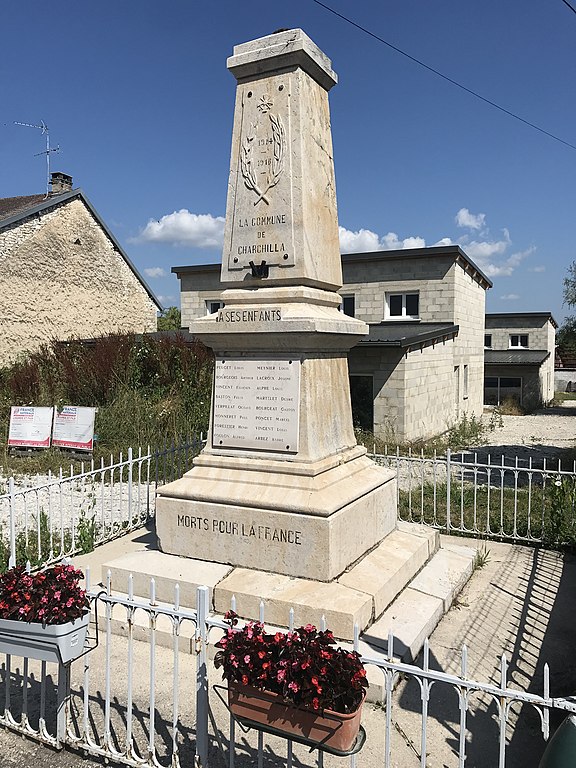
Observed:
{"x":415,"y":613}
{"x":167,"y":571}
{"x":388,"y":568}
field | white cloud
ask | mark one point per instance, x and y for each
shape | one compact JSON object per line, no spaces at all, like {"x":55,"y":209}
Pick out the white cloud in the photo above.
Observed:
{"x":485,"y":255}
{"x":470,"y":220}
{"x":365,"y":240}
{"x":155,"y":272}
{"x":443,"y":242}
{"x":199,"y":230}
{"x":510,"y":297}
{"x":539,"y":268}
{"x":166,"y":300}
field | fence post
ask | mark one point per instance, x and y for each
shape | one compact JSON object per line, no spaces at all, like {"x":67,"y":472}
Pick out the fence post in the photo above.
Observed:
{"x":12,"y":505}
{"x":130,"y":470}
{"x":448,"y":481}
{"x":202,"y":609}
{"x":63,"y":703}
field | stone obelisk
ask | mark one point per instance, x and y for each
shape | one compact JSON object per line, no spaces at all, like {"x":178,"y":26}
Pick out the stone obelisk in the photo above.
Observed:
{"x":281,"y":486}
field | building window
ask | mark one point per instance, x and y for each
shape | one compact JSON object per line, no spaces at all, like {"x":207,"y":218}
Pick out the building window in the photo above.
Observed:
{"x":465,"y":383}
{"x":402,"y":306}
{"x":348,"y":305}
{"x":213,"y":306}
{"x":518,"y":341}
{"x":488,"y":341}
{"x":500,"y":388}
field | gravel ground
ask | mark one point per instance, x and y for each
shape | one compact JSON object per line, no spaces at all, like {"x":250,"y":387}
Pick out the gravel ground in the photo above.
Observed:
{"x":548,"y":433}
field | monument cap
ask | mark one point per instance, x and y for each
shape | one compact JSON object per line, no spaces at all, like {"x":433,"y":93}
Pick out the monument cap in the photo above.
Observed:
{"x":285,"y":49}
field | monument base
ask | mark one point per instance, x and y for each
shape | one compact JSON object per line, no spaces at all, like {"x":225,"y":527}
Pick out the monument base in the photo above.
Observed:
{"x":303,"y":520}
{"x":406,"y":583}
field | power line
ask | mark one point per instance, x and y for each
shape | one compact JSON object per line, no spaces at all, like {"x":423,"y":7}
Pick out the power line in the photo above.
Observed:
{"x":445,"y":77}
{"x":569,"y":6}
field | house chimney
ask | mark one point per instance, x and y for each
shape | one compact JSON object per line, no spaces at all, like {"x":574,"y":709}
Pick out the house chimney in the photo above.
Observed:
{"x":60,"y":182}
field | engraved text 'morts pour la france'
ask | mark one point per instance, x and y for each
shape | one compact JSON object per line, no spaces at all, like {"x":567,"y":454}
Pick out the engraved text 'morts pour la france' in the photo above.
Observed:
{"x":262,"y":225}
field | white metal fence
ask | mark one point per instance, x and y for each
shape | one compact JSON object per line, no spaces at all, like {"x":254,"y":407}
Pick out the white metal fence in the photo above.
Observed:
{"x":476,"y":495}
{"x":56,"y":516}
{"x":153,"y":703}
{"x":59,"y":515}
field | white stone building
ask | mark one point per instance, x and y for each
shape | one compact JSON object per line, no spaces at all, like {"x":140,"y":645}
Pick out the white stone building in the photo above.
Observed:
{"x":63,"y":274}
{"x":422,"y":366}
{"x":519,"y":358}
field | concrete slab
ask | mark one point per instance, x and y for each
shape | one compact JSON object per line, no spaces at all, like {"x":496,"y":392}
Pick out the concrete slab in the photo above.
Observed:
{"x":411,"y":618}
{"x":445,"y":575}
{"x":167,"y":571}
{"x":340,"y":605}
{"x":385,"y":571}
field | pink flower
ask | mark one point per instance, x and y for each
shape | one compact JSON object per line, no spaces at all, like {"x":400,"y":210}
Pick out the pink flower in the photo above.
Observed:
{"x":294,"y":687}
{"x":281,"y":675}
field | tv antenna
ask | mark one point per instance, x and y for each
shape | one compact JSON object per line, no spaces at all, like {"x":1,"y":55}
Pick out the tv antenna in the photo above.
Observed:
{"x":48,"y":151}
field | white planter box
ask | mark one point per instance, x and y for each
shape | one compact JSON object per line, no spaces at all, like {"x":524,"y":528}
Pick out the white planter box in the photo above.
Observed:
{"x":52,"y":642}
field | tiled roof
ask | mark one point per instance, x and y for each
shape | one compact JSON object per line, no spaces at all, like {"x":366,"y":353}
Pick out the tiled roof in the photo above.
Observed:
{"x":515,"y":356}
{"x":12,"y":206}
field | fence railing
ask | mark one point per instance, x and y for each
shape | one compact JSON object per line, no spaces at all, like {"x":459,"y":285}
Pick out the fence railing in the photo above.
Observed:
{"x":504,"y":499}
{"x":153,"y":703}
{"x":60,"y":515}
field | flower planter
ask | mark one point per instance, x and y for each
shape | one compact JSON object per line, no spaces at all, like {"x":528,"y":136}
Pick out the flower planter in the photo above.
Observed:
{"x":327,"y":728}
{"x":45,"y":642}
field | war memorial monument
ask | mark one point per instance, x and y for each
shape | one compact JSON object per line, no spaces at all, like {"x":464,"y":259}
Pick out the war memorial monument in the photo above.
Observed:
{"x":282,"y":504}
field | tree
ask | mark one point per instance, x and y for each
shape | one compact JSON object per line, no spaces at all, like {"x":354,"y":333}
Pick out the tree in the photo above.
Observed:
{"x":170,"y":319}
{"x":566,"y":336}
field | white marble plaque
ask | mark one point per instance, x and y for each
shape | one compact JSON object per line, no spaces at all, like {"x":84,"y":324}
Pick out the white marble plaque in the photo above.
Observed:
{"x":256,"y":403}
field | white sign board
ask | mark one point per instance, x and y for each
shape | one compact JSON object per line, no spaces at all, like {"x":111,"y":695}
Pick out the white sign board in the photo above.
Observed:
{"x":74,"y":428}
{"x":256,"y":404}
{"x":30,"y":427}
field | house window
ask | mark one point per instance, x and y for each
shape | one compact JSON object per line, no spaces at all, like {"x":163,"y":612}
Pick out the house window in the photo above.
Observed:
{"x":500,"y":388}
{"x":348,"y":305}
{"x":402,"y":306}
{"x":518,"y":341}
{"x":213,"y":306}
{"x":465,"y":383}
{"x":488,"y":341}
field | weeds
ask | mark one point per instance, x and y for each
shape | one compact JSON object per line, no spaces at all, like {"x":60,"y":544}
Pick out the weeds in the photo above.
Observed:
{"x":481,"y":558}
{"x":147,"y":392}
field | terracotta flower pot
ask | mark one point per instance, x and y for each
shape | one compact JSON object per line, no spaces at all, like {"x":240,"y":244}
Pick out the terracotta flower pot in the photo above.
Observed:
{"x":46,"y":642}
{"x":327,"y":728}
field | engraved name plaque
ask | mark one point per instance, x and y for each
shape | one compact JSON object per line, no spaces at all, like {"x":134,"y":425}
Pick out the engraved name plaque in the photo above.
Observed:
{"x":256,"y":403}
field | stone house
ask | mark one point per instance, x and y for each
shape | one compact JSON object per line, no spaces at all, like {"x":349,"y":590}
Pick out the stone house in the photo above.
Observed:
{"x":421,"y":368}
{"x":519,"y":358}
{"x":63,"y":273}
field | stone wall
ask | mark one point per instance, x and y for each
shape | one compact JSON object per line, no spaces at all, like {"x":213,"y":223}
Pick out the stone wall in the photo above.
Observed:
{"x":469,"y":314}
{"x":430,"y":391}
{"x":369,"y":281}
{"x":62,"y":277}
{"x":540,"y":331}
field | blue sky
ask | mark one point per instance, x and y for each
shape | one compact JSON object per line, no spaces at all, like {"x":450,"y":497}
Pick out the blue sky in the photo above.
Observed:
{"x":138,"y":97}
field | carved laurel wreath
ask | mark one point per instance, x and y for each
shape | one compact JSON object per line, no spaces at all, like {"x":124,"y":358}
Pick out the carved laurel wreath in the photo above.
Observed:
{"x":277,"y":167}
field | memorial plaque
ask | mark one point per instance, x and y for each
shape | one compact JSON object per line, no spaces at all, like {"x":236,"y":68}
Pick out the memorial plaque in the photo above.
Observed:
{"x":256,"y":403}
{"x":261,"y":223}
